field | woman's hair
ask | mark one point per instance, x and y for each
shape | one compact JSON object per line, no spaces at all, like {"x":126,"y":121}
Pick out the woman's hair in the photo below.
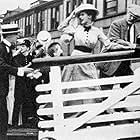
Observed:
{"x":90,"y":13}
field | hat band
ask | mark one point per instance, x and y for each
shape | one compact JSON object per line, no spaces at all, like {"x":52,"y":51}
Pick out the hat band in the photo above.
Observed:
{"x":10,"y":30}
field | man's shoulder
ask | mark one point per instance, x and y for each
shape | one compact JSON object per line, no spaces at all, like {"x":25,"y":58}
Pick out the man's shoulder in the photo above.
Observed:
{"x":119,"y":21}
{"x":2,"y":47}
{"x":1,"y":44}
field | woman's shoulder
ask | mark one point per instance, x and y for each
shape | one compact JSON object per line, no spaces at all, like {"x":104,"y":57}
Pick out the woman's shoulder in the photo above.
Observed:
{"x":96,"y":29}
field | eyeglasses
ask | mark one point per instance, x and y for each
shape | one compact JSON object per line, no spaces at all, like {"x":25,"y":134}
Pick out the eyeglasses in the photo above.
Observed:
{"x":133,"y":17}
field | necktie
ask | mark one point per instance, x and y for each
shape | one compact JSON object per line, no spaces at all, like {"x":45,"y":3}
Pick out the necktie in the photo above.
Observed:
{"x":87,"y":28}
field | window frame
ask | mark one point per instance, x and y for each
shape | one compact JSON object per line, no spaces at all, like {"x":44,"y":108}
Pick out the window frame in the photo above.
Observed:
{"x":106,"y":8}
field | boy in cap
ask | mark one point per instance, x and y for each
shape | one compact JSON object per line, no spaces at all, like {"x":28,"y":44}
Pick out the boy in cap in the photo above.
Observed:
{"x":119,"y":32}
{"x":10,"y":35}
{"x":21,"y":83}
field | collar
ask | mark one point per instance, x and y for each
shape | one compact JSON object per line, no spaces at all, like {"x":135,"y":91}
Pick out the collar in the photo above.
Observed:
{"x":8,"y":44}
{"x":87,"y":28}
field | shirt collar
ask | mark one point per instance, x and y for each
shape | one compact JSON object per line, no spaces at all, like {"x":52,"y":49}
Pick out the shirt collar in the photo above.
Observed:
{"x":8,"y":44}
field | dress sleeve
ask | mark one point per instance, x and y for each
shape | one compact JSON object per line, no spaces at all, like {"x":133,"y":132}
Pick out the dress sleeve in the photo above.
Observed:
{"x":104,"y":39}
{"x":68,"y":29}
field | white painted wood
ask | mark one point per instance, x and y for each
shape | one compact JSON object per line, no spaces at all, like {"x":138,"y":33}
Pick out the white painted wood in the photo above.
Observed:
{"x":118,"y":116}
{"x":101,"y":133}
{"x":76,"y":96}
{"x":107,"y":133}
{"x":133,"y":102}
{"x":55,"y":80}
{"x":64,"y":127}
{"x":112,"y":100}
{"x":87,"y":83}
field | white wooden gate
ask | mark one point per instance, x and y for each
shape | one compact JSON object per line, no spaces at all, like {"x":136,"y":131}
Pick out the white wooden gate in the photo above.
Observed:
{"x":95,"y":123}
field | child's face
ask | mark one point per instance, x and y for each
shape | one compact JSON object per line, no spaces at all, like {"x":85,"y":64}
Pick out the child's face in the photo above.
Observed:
{"x":24,"y":49}
{"x":57,"y":51}
{"x":18,"y":47}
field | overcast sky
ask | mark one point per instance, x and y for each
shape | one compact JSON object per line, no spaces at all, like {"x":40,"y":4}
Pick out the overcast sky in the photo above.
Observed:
{"x":13,"y":4}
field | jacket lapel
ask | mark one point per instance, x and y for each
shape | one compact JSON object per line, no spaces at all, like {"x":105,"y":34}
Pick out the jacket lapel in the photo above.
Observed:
{"x":125,"y":29}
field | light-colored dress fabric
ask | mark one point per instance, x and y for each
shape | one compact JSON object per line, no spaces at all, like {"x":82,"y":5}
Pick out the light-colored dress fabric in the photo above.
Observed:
{"x":84,"y":71}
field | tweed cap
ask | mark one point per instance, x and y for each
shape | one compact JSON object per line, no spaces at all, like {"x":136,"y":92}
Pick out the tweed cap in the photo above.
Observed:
{"x":134,"y":10}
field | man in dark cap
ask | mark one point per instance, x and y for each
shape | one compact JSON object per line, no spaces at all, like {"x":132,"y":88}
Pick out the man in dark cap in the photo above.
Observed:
{"x":122,"y":31}
{"x":10,"y":35}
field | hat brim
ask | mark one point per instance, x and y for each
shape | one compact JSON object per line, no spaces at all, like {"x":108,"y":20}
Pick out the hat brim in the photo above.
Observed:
{"x":11,"y":32}
{"x":80,"y":9}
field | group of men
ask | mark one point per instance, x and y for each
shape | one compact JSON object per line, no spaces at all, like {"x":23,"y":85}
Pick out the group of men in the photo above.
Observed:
{"x":17,"y":63}
{"x":10,"y":36}
{"x":118,"y":32}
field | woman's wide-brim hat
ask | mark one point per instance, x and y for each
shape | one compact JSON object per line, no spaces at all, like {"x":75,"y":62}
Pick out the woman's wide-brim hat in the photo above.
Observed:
{"x":134,"y":10}
{"x":44,"y":37}
{"x":10,"y":29}
{"x":84,"y":7}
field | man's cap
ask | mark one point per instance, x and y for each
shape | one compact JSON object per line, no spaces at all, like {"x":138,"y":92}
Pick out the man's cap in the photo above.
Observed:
{"x":10,"y":29}
{"x":84,"y":7}
{"x":134,"y":10}
{"x":26,"y":42}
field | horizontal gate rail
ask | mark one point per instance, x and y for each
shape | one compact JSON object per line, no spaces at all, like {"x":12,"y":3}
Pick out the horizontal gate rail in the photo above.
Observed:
{"x":104,"y":57}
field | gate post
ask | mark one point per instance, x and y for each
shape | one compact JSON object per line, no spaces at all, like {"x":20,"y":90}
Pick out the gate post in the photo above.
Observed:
{"x":56,"y":93}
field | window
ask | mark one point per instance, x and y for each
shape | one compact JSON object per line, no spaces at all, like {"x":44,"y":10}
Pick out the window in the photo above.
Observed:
{"x":68,"y":8}
{"x":55,"y":17}
{"x":76,"y":3}
{"x":38,"y":21}
{"x":71,"y":5}
{"x":94,"y":2}
{"x":32,"y":24}
{"x":43,"y":20}
{"x":110,"y":7}
{"x":136,"y":2}
{"x":26,"y":25}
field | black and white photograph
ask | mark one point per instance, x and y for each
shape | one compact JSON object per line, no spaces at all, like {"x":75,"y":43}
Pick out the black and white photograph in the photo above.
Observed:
{"x":69,"y":69}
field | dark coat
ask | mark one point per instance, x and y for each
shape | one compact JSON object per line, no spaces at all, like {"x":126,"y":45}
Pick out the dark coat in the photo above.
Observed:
{"x":6,"y":68}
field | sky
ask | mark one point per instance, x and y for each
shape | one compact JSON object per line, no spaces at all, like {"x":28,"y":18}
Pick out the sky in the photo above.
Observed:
{"x":13,"y":4}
